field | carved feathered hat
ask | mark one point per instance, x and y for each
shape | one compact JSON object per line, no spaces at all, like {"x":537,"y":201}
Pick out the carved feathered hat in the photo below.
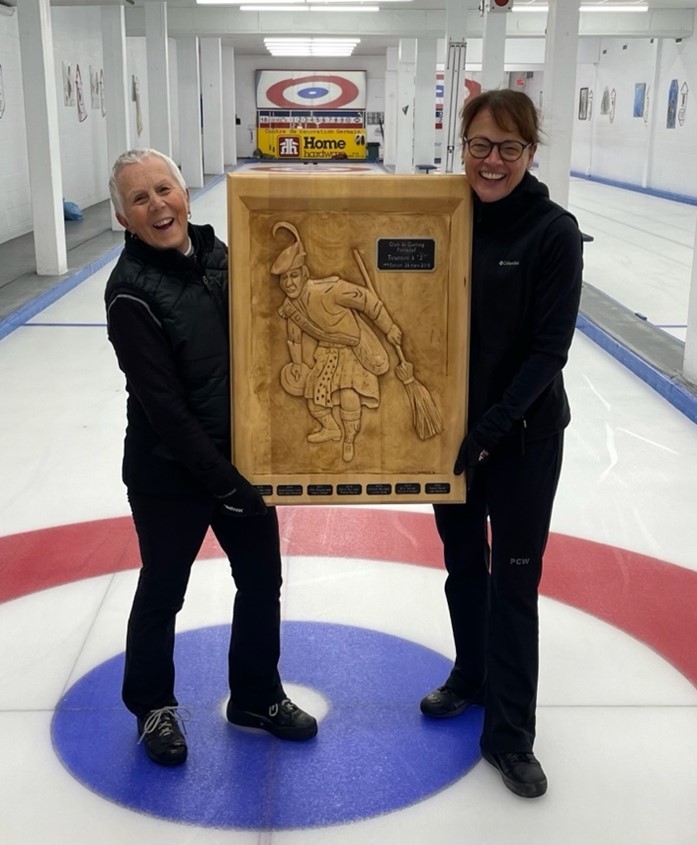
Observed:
{"x":292,"y":256}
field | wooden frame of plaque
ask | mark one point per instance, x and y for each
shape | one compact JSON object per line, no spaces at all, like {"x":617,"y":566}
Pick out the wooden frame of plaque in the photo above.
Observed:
{"x":349,"y":325}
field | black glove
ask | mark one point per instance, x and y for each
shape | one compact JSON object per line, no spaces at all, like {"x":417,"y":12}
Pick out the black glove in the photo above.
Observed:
{"x":244,"y":499}
{"x":470,"y":456}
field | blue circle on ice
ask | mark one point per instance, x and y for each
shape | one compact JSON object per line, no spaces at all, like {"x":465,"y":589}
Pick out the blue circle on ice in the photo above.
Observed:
{"x":374,"y":753}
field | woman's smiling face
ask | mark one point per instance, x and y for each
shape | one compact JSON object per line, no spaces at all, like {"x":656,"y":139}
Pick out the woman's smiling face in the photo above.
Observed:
{"x":492,"y":178}
{"x":155,"y":206}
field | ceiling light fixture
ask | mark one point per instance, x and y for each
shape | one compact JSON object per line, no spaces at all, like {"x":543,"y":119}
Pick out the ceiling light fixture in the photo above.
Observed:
{"x":348,"y":8}
{"x":317,"y":42}
{"x":334,"y":47}
{"x":616,"y":8}
{"x":308,"y":39}
{"x":270,"y":7}
{"x":306,"y":51}
{"x":293,"y":7}
{"x":314,"y":5}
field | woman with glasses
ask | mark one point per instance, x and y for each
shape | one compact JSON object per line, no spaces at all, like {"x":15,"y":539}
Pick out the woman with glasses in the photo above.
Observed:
{"x":526,"y":284}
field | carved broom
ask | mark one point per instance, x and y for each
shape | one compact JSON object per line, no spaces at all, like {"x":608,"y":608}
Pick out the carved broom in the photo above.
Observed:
{"x":426,"y":417}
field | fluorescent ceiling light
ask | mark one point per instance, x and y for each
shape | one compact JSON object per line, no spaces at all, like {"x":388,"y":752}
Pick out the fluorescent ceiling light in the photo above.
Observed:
{"x":306,"y":51}
{"x":337,"y":42}
{"x":616,"y":8}
{"x":315,"y":5}
{"x":311,"y":46}
{"x":338,"y":8}
{"x":293,"y":7}
{"x":302,"y":51}
{"x":316,"y":42}
{"x":328,"y":42}
{"x":310,"y":39}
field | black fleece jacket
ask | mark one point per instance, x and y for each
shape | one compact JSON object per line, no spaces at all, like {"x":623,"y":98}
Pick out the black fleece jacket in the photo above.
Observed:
{"x":526,"y":285}
{"x":167,"y":320}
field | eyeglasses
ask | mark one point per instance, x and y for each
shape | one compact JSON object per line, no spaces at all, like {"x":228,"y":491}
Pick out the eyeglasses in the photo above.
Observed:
{"x":508,"y":150}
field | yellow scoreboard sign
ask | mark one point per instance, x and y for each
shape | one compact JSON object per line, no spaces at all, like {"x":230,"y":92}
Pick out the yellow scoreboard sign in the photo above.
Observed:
{"x":317,"y":134}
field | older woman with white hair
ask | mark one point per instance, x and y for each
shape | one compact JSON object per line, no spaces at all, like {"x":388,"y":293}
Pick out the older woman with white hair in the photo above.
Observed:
{"x":167,"y":319}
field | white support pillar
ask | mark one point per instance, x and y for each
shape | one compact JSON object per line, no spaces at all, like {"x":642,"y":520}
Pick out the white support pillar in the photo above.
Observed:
{"x":454,"y":82}
{"x":594,"y":123}
{"x":212,"y":95}
{"x":690,"y":359}
{"x":43,"y":145}
{"x":558,"y":100}
{"x":229,"y":107}
{"x":158,"y":77}
{"x":189,"y":84}
{"x":406,"y":91}
{"x":174,"y":98}
{"x":424,"y":107}
{"x":494,"y":50}
{"x":115,"y":87}
{"x":389,"y":152}
{"x":652,"y":111}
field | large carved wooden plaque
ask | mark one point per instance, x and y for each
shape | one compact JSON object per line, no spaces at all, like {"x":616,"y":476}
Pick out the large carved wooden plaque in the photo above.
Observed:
{"x":349,"y":326}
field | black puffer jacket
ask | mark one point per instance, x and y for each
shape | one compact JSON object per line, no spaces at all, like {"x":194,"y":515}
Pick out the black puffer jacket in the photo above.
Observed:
{"x":167,"y":320}
{"x":526,"y":285}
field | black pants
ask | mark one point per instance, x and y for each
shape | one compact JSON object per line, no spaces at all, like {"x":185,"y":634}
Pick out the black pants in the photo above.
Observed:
{"x":492,"y":585}
{"x":170,"y":534}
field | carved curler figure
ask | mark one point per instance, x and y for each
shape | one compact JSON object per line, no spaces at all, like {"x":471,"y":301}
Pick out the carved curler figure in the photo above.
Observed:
{"x":349,"y":356}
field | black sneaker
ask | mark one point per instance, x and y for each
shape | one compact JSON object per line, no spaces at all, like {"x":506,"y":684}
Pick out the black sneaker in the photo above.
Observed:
{"x":445,"y":702}
{"x":163,"y":738}
{"x":282,"y":719}
{"x":521,"y":772}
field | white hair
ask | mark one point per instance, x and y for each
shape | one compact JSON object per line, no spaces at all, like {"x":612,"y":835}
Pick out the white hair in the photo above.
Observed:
{"x":133,"y":157}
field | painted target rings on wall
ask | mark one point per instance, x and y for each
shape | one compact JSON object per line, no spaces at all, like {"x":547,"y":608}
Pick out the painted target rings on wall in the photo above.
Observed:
{"x":308,"y":92}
